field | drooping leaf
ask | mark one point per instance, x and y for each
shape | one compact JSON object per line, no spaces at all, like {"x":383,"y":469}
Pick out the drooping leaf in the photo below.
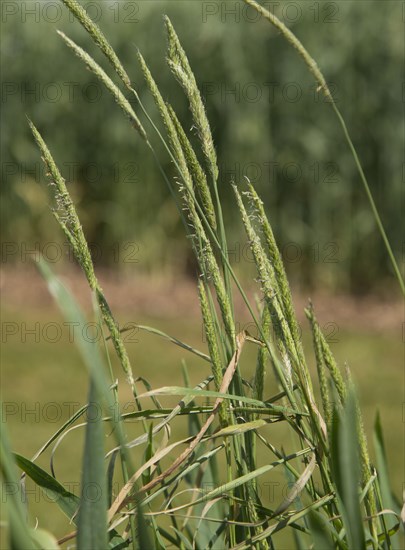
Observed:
{"x":68,"y":502}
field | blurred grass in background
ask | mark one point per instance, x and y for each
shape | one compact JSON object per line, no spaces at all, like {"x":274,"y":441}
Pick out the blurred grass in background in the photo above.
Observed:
{"x":269,"y":124}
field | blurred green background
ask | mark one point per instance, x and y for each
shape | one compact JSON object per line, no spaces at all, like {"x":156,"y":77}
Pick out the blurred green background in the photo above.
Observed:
{"x":269,"y":124}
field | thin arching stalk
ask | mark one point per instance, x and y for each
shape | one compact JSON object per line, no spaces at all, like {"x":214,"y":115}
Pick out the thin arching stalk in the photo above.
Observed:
{"x":323,"y":86}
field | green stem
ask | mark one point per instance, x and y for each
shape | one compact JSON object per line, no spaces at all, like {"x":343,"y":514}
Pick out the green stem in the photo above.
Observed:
{"x":370,"y":199}
{"x":315,"y":71}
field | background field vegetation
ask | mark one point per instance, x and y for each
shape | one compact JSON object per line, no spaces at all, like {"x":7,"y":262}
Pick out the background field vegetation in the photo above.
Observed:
{"x":267,"y":119}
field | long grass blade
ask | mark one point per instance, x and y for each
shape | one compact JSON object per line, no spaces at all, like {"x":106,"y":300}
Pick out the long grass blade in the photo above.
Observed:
{"x":345,"y":454}
{"x":92,"y":517}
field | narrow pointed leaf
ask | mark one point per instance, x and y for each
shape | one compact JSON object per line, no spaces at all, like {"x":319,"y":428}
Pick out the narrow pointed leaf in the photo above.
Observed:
{"x":346,"y":470}
{"x":92,"y":518}
{"x":68,"y":502}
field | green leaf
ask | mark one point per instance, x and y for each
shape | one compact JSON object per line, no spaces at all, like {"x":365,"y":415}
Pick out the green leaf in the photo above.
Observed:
{"x":89,"y":349}
{"x":92,"y":517}
{"x":117,"y":542}
{"x":186,"y":543}
{"x":283,"y":523}
{"x":242,"y":480}
{"x":110,"y":477}
{"x":146,"y":476}
{"x":68,"y":502}
{"x":382,"y":467}
{"x":178,"y":390}
{"x":319,"y":531}
{"x":20,"y":535}
{"x":44,"y":539}
{"x":387,"y":498}
{"x":346,"y":470}
{"x":203,"y":531}
{"x":237,"y":429}
{"x":143,"y":534}
{"x":300,"y":542}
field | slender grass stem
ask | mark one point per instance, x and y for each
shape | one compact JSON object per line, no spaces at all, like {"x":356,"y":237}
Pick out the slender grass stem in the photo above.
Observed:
{"x":370,"y":199}
{"x":314,"y":69}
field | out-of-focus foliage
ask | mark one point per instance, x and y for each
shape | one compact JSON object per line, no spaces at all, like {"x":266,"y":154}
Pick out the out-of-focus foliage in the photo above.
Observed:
{"x":268,"y":121}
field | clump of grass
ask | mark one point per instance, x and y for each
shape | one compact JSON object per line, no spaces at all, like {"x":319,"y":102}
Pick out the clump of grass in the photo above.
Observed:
{"x":336,"y":499}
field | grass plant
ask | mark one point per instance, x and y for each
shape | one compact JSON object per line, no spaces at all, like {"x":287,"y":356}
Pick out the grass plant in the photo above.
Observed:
{"x":336,"y":499}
